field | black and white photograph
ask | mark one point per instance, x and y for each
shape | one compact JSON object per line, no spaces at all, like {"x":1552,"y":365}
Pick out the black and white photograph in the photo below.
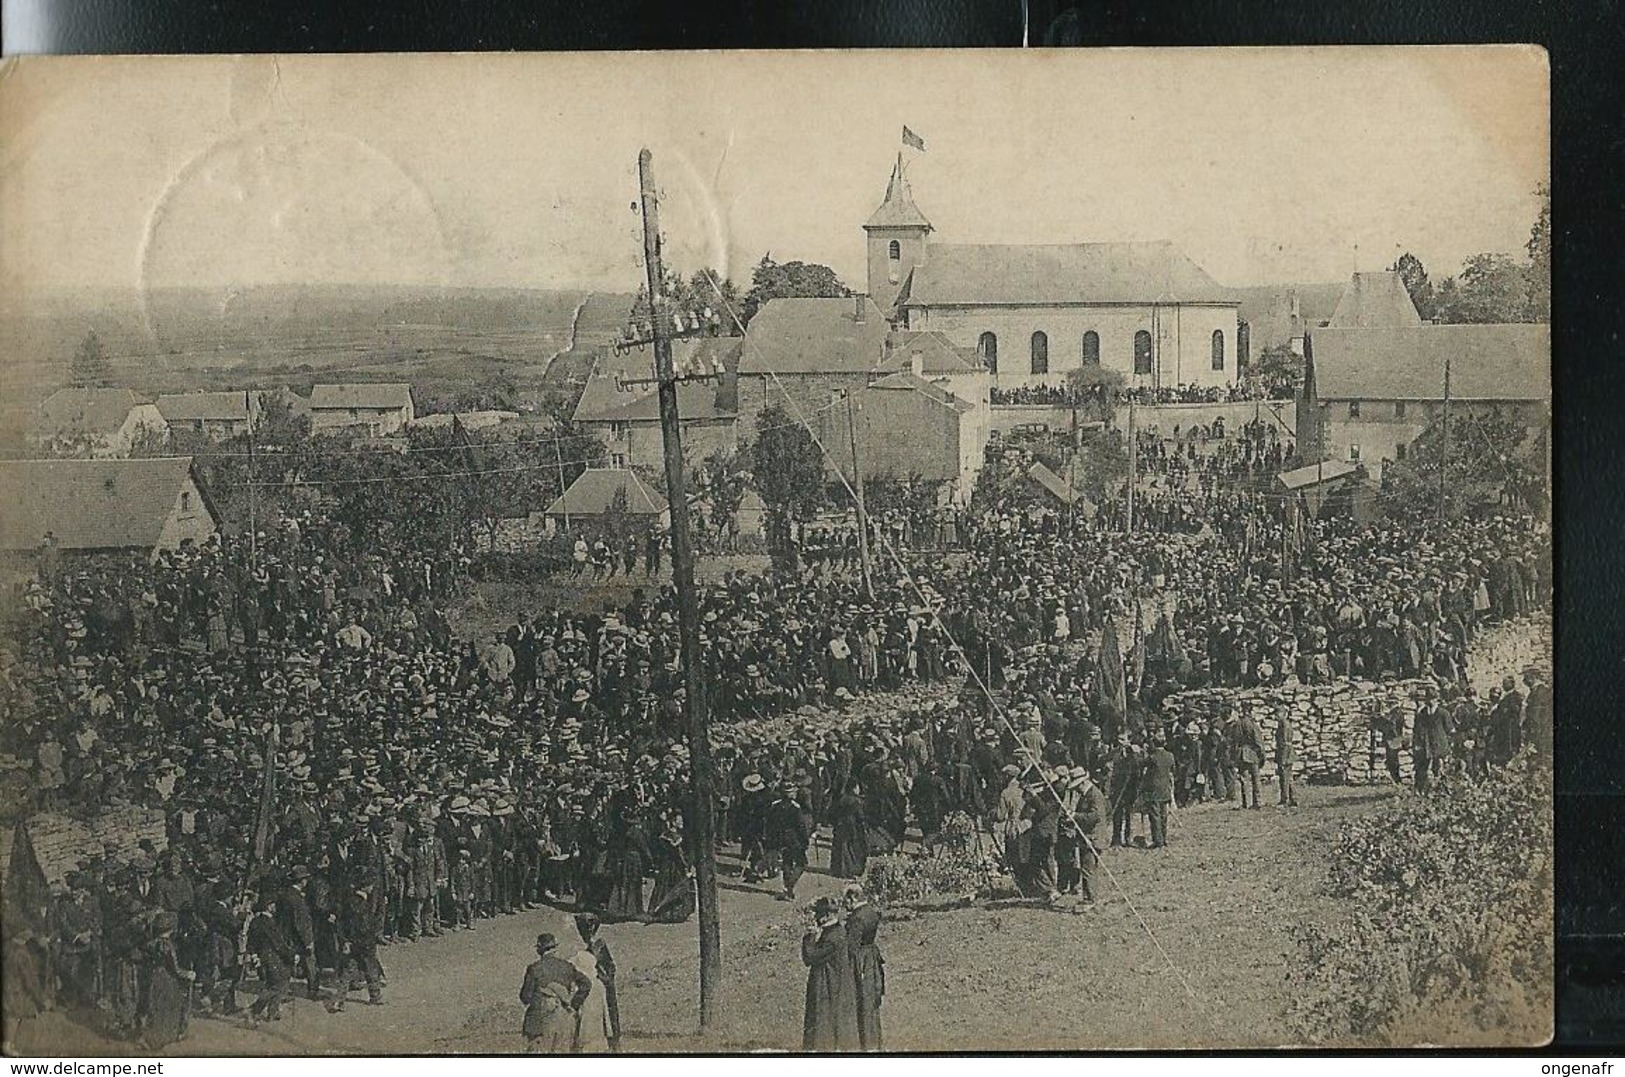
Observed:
{"x":727,"y":552}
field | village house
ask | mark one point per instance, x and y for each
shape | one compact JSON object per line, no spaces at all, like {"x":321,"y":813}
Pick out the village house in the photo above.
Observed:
{"x":626,"y":416}
{"x":95,"y":422}
{"x":802,"y":350}
{"x":375,"y":409}
{"x":214,"y":415}
{"x":908,"y":429}
{"x":1034,"y":312}
{"x":1369,"y":392}
{"x":101,"y":506}
{"x":600,"y":494}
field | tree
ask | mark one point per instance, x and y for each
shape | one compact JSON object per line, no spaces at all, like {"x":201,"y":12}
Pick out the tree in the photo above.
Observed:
{"x":789,"y":474}
{"x":1098,"y":386}
{"x":1280,"y":367}
{"x":1493,"y":458}
{"x":792,"y":280}
{"x":1540,"y":259}
{"x":1491,"y":288}
{"x":696,"y":295}
{"x":1415,"y":278}
{"x":90,"y":368}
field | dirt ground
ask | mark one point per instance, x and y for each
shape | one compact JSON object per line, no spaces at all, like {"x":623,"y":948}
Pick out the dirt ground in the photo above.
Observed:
{"x":1220,"y":899}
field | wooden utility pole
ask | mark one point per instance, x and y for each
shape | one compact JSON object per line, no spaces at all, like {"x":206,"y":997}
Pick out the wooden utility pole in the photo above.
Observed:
{"x":1444,"y":451}
{"x":558,"y":458}
{"x":1133,"y":461}
{"x":702,"y":821}
{"x":253,"y":521}
{"x":863,"y":513}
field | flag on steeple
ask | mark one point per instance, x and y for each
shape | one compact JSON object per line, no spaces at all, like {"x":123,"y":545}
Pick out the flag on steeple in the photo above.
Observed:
{"x":912,"y":139}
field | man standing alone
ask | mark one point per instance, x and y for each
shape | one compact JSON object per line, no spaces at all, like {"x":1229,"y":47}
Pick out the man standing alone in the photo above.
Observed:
{"x":1285,"y":756}
{"x":1159,"y":790}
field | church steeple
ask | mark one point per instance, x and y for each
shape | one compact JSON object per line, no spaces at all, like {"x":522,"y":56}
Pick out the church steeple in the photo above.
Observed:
{"x":897,"y":240}
{"x":898,"y":210}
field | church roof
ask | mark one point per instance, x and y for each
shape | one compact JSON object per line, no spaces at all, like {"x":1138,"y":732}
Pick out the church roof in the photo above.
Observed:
{"x":814,"y":336}
{"x":898,"y":210}
{"x":1375,"y":299}
{"x":962,"y":274}
{"x":1487,"y":362}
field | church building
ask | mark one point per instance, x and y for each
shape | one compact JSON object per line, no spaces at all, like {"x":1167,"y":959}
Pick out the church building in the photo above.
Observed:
{"x":1035,"y":312}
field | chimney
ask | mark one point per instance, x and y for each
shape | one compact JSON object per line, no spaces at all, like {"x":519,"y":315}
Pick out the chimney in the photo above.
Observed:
{"x":1295,"y":307}
{"x":916,"y":363}
{"x":857,"y":308}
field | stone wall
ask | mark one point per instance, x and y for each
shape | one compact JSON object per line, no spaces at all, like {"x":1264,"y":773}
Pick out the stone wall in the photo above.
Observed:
{"x":1332,"y":724}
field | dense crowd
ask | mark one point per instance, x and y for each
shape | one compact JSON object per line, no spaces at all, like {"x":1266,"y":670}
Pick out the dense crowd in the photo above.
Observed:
{"x":1065,"y":396}
{"x":419,"y":782}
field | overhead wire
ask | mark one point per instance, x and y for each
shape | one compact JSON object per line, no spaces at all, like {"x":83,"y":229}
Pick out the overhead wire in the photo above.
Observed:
{"x":997,"y":708}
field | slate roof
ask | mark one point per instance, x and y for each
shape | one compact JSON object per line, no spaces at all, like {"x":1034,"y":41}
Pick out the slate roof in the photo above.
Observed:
{"x":85,"y":411}
{"x":938,"y":355}
{"x":594,"y":492}
{"x":1264,"y":303}
{"x":898,"y":209}
{"x":362,"y":395}
{"x":601,"y":401}
{"x":207,"y":407}
{"x":965,"y":274}
{"x":1487,"y":362}
{"x":88,"y":504}
{"x":60,"y":841}
{"x":1298,"y":478}
{"x":814,"y":336}
{"x":1373,"y":300}
{"x":908,"y":381}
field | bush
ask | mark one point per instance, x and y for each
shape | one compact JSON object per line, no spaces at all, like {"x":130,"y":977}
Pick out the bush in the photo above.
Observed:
{"x":1448,"y":936}
{"x":957,"y":870}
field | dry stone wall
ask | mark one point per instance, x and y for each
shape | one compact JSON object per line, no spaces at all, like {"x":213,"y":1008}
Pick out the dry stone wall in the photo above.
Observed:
{"x":1332,"y":724}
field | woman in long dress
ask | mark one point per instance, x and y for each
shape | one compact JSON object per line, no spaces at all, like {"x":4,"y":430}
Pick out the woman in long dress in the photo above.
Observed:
{"x":849,"y":844}
{"x":593,"y":1029}
{"x":672,"y":899}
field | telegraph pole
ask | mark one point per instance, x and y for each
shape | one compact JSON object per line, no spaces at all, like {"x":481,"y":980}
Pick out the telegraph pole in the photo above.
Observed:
{"x":863,"y":514}
{"x":702,"y":820}
{"x":558,"y":458}
{"x":1444,"y":452}
{"x":253,"y":523}
{"x":1133,"y":460}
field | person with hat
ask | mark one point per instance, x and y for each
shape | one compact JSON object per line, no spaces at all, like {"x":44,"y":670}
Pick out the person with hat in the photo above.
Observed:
{"x":830,"y":1019}
{"x":1286,"y":755}
{"x":598,"y":1016}
{"x":1430,"y":739}
{"x":1008,"y":820}
{"x":868,"y":966}
{"x":1505,"y":735}
{"x":552,"y":993}
{"x":360,"y":925}
{"x":751,"y":824}
{"x":1537,"y":712}
{"x":849,"y":839}
{"x":671,"y":897}
{"x":786,"y":832}
{"x":299,"y":927}
{"x":266,"y":941}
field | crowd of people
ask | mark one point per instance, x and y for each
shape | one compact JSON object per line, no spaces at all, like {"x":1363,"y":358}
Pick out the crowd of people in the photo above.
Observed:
{"x":1065,"y":396}
{"x":339,"y":771}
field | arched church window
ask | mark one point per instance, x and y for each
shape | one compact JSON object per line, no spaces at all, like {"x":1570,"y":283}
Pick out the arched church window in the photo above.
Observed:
{"x":1040,"y":353}
{"x":1218,"y":349}
{"x":987,"y":346}
{"x":894,"y":250}
{"x":1142,"y":352}
{"x":1091,"y":348}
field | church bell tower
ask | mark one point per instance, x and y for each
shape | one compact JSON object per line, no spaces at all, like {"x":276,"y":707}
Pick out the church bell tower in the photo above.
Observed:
{"x":897,"y":233}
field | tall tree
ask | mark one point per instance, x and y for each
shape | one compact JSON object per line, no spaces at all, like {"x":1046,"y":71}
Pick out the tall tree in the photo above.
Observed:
{"x":1490,"y":288}
{"x":90,"y":368}
{"x":1540,"y":259}
{"x":791,"y":280}
{"x":1415,"y":278}
{"x":789,"y":474}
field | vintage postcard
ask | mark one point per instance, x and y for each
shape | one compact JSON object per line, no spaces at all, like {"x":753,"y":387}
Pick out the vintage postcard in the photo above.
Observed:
{"x":874,"y":551}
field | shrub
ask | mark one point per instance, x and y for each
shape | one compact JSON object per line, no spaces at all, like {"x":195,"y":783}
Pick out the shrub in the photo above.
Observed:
{"x":1448,"y":934}
{"x":957,"y":870}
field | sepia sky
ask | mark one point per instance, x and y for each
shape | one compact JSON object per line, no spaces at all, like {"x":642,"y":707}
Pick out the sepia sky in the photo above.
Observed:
{"x":1267,"y":166}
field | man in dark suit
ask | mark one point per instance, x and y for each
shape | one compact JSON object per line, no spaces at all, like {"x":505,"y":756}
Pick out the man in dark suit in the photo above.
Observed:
{"x":868,"y":967}
{"x":267,"y":942}
{"x":1159,"y":790}
{"x":786,"y":831}
{"x":1247,"y":748}
{"x":1506,"y":724}
{"x":553,"y":991}
{"x":293,"y":917}
{"x":1537,"y":712}
{"x":1088,"y":812}
{"x":359,"y":928}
